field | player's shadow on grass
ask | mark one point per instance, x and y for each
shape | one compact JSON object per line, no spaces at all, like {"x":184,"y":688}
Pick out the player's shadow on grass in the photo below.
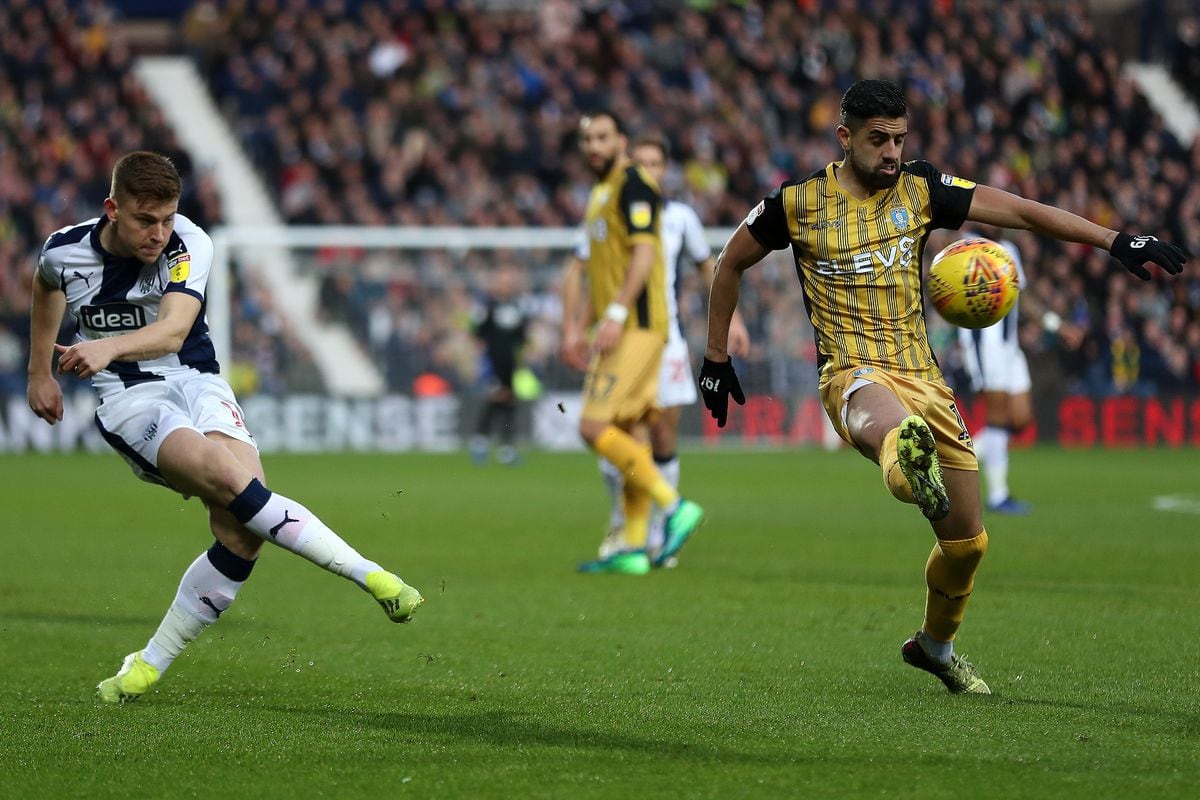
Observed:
{"x":1188,"y":721}
{"x":516,"y":729}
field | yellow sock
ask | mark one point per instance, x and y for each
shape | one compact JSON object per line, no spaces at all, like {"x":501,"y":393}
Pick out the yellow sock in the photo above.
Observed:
{"x":950,"y":577}
{"x":637,"y":516}
{"x":893,"y":476}
{"x":633,"y":459}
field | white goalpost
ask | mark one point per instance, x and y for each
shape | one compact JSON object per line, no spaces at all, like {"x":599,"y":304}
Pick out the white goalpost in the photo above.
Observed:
{"x":272,"y":254}
{"x":397,"y":368}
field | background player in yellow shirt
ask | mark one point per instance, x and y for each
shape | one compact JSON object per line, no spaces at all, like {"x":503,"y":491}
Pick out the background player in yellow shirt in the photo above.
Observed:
{"x":856,"y":230}
{"x":627,"y":301}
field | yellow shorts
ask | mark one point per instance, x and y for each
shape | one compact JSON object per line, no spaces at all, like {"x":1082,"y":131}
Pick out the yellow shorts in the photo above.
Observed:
{"x":933,"y":401}
{"x":622,"y":387}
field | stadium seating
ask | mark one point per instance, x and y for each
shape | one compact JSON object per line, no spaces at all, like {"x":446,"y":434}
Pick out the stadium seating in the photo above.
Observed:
{"x":443,"y":117}
{"x":69,"y":105}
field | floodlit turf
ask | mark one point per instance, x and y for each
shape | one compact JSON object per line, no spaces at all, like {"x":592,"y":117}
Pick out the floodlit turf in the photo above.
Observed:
{"x":767,"y":665}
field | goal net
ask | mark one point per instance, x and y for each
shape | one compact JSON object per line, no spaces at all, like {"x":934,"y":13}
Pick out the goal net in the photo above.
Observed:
{"x":361,"y":338}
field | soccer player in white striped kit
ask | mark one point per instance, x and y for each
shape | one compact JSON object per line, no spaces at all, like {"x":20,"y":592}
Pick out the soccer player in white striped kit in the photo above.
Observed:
{"x":134,"y":280}
{"x":683,"y":240}
{"x":1000,"y":375}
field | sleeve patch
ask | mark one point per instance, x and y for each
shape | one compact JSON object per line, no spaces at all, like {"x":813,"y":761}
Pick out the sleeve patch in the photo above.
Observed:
{"x":640,"y":214}
{"x":180,"y":267}
{"x":961,"y":183}
{"x":756,"y":212}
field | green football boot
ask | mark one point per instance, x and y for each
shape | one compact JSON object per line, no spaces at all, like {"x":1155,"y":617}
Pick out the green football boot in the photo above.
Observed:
{"x":678,"y":528}
{"x":132,"y":681}
{"x":960,"y":676}
{"x":916,"y":451}
{"x":398,"y":600}
{"x":625,"y":562}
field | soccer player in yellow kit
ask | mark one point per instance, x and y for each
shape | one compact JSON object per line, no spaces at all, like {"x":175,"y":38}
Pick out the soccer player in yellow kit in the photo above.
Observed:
{"x":627,"y":301}
{"x":856,"y":230}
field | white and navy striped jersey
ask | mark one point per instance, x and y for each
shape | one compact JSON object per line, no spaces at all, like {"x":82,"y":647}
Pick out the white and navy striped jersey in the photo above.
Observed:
{"x":682,"y":237}
{"x":109,"y":296}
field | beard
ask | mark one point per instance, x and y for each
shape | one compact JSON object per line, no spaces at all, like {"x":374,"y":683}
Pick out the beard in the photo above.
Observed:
{"x":605,"y":166}
{"x":872,"y":178}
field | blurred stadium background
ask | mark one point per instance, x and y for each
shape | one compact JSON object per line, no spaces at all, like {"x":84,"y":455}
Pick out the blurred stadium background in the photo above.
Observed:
{"x":408,"y":116}
{"x":365,"y":168}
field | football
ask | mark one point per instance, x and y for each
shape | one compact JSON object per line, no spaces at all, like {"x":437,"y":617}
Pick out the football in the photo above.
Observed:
{"x":973,"y":283}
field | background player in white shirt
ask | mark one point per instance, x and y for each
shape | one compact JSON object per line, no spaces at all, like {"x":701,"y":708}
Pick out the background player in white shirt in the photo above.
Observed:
{"x":683,"y":240}
{"x":134,"y":280}
{"x":1000,"y":375}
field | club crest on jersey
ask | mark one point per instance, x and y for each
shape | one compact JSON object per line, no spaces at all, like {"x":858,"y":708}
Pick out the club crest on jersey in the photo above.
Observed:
{"x":113,"y":317}
{"x":598,"y":198}
{"x":899,"y":218}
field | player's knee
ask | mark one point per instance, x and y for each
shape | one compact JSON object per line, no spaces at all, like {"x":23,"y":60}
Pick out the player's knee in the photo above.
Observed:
{"x":964,"y":519}
{"x":964,"y":555}
{"x":664,"y":440}
{"x":224,"y":477}
{"x":590,"y":430}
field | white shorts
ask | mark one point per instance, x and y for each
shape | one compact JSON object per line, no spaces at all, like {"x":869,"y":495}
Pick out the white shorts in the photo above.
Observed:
{"x":676,"y":387}
{"x":993,"y":360}
{"x":137,"y":421}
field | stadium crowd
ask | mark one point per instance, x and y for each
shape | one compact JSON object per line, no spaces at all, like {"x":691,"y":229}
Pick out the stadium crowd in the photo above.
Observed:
{"x":439,"y":113}
{"x":70,"y":105}
{"x":432,"y":113}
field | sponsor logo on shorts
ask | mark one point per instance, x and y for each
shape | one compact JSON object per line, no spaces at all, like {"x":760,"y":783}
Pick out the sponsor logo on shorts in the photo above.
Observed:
{"x":150,"y":433}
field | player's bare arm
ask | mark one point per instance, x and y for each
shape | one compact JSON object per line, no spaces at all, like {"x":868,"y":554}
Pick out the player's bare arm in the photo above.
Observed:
{"x":177,"y":313}
{"x":641,"y":263}
{"x":576,"y":315}
{"x":994,"y":206}
{"x":741,"y":252}
{"x":739,"y":336}
{"x":44,"y":394}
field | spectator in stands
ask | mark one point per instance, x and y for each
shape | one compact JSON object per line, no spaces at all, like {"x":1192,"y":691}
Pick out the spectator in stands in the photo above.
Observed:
{"x":440,"y":116}
{"x":69,"y":103}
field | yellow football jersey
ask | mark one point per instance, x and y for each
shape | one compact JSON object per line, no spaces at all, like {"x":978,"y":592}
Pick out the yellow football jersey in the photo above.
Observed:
{"x":859,"y":262}
{"x":623,"y":209}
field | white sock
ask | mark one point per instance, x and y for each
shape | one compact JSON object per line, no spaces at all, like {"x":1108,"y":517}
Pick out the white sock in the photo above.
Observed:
{"x":669,"y":469}
{"x":293,"y":527}
{"x":208,"y":587}
{"x":993,"y":452}
{"x":614,"y":482}
{"x":935,"y":648}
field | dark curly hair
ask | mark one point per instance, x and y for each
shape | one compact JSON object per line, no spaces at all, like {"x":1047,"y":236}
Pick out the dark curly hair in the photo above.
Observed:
{"x":872,"y":98}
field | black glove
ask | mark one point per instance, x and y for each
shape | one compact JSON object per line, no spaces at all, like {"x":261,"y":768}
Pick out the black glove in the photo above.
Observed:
{"x":1135,"y":251}
{"x":717,"y":382}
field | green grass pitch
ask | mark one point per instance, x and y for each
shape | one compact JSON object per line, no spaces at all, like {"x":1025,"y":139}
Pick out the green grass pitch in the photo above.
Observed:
{"x":767,"y":665}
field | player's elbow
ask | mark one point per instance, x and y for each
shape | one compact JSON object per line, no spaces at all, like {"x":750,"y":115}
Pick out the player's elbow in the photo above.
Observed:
{"x":172,"y":339}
